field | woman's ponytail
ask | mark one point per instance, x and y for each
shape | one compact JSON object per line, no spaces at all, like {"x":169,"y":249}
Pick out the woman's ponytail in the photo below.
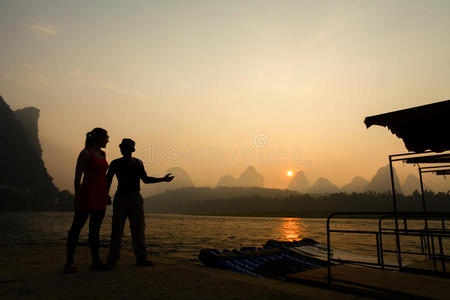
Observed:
{"x":92,"y":136}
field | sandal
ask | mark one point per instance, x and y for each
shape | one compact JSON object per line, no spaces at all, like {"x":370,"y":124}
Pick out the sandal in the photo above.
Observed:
{"x":70,"y":268}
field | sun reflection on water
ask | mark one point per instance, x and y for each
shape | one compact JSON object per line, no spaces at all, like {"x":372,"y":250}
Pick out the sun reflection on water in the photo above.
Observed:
{"x":291,"y":229}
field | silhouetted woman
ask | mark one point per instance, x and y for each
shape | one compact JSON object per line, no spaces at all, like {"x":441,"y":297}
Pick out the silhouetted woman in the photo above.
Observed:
{"x":91,"y":198}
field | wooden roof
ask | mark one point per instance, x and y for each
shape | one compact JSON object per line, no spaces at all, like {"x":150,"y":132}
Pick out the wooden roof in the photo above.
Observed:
{"x":421,"y":128}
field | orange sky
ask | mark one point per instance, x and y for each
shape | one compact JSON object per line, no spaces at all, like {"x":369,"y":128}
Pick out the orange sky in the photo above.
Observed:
{"x":196,"y":80}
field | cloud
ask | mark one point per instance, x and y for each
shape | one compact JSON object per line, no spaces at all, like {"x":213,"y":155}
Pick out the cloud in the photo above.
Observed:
{"x":116,"y":89}
{"x":43,"y":30}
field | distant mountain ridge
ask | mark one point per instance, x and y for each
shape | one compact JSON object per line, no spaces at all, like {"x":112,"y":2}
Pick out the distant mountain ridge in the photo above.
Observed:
{"x":227,"y":180}
{"x":251,"y":178}
{"x":248,"y":178}
{"x":323,"y":186}
{"x":299,"y":183}
{"x":357,"y":185}
{"x":412,"y":184}
{"x":379,"y":183}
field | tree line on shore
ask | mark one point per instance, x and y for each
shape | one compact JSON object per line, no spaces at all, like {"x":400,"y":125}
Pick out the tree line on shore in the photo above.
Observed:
{"x":243,"y":201}
{"x":187,"y":201}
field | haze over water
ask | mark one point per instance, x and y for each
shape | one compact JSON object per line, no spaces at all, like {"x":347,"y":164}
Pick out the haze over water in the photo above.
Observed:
{"x":280,"y":85}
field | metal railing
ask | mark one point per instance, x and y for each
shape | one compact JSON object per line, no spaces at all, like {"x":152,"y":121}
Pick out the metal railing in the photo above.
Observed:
{"x":426,"y":236}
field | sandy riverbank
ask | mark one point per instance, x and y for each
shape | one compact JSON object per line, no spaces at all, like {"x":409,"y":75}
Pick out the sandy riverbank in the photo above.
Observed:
{"x":35,"y":271}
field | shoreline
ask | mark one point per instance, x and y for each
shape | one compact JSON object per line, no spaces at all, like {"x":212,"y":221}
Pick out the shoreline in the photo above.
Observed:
{"x":35,"y":271}
{"x":304,"y":215}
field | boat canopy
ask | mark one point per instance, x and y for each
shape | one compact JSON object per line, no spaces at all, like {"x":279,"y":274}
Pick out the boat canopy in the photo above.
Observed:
{"x":432,"y":159}
{"x":421,"y":128}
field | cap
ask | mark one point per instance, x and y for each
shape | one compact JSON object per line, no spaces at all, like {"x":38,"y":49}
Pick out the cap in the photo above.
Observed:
{"x":127,"y":143}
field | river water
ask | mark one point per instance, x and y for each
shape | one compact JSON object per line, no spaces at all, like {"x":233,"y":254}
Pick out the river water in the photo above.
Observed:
{"x":182,"y":236}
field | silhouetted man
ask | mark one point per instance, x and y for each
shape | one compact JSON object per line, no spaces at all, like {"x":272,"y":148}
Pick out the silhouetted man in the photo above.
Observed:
{"x":128,"y":203}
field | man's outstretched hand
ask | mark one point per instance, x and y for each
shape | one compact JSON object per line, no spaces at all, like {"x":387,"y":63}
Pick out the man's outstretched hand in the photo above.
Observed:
{"x":168,"y":177}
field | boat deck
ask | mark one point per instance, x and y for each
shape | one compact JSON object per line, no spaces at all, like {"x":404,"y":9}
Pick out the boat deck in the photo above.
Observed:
{"x":373,"y":282}
{"x":427,"y":266}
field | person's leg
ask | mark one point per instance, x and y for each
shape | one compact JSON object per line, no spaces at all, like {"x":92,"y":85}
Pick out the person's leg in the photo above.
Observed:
{"x":79,"y":219}
{"x":137,"y":226}
{"x":118,"y":223}
{"x":95,"y":222}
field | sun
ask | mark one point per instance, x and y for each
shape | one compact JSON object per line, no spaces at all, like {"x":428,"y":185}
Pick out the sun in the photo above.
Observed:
{"x":289,"y":173}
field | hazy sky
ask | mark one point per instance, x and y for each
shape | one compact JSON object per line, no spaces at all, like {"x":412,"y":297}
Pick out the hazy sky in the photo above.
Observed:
{"x":276,"y":84}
